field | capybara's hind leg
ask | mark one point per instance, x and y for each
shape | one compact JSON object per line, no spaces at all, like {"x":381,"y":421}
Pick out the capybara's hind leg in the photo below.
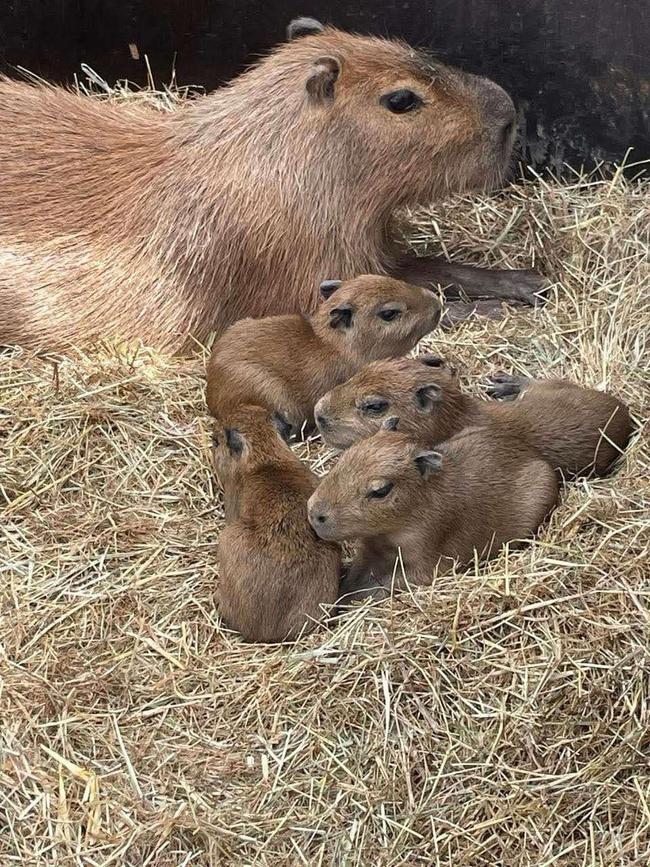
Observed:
{"x":525,"y":287}
{"x":506,"y":386}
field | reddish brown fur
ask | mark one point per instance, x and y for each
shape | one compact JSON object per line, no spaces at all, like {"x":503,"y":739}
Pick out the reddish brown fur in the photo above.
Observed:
{"x":276,"y":576}
{"x":286,"y":363}
{"x":117,"y":221}
{"x":576,"y":429}
{"x":487,"y":489}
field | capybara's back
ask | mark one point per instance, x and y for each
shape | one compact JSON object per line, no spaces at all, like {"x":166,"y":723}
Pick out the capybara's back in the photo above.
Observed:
{"x":276,"y":578}
{"x":122,"y":222}
{"x":499,"y":489}
{"x":577,"y":430}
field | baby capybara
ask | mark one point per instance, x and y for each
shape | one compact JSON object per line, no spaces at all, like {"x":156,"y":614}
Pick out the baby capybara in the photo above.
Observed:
{"x":286,"y":362}
{"x":479,"y":490}
{"x":276,"y":578}
{"x":577,"y":430}
{"x":118,"y":221}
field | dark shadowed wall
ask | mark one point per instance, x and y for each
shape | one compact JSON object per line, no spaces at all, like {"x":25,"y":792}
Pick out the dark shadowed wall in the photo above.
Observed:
{"x":578,"y":69}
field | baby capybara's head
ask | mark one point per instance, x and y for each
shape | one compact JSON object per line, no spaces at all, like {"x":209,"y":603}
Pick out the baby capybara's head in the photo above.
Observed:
{"x":247,"y":438}
{"x":373,"y":316}
{"x":374,"y":488}
{"x":414,"y":128}
{"x":423,"y":392}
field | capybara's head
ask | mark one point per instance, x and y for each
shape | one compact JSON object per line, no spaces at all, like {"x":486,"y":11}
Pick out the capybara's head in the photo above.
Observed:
{"x":248,"y":437}
{"x":375,"y":487}
{"x":413,"y":128}
{"x":423,"y":392}
{"x":373,"y":316}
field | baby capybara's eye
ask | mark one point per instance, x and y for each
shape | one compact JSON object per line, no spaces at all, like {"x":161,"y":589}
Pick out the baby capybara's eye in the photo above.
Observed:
{"x":401,"y":101}
{"x":389,"y":315}
{"x":380,"y":493}
{"x":374,"y":407}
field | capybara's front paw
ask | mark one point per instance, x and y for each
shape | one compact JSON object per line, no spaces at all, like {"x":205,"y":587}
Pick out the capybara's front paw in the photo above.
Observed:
{"x":505,"y":386}
{"x":528,"y":287}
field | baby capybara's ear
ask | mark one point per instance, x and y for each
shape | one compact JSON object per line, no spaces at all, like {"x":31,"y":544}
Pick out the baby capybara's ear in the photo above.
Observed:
{"x":303,"y":27}
{"x":328,"y":288}
{"x":341,"y":317}
{"x":432,"y":360}
{"x":428,"y":395}
{"x":282,"y":426}
{"x":428,"y":463}
{"x":234,"y":441}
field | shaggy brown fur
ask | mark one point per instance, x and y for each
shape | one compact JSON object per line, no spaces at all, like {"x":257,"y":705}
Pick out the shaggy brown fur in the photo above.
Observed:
{"x":276,"y":576}
{"x":577,"y":430}
{"x":286,"y":363}
{"x":482,"y":489}
{"x":120,"y":222}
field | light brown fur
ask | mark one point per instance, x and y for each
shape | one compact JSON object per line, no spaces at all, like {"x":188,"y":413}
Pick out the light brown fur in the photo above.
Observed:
{"x":577,"y":430}
{"x":480,"y":490}
{"x":117,"y":221}
{"x":286,"y":363}
{"x":276,"y":577}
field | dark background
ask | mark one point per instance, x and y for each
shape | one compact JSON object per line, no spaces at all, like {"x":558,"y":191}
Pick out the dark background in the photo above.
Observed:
{"x":579,"y":70}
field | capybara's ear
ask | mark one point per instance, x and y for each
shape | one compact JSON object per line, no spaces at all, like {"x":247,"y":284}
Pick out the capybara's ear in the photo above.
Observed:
{"x":428,"y":395}
{"x":303,"y":27}
{"x":341,"y":317}
{"x":432,"y":360}
{"x":329,"y":287}
{"x":320,"y":84}
{"x":428,"y":462}
{"x":390,"y":423}
{"x":282,"y":426}
{"x":234,"y":441}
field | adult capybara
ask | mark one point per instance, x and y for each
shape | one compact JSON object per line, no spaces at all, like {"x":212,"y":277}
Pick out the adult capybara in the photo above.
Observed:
{"x":286,"y":363}
{"x":577,"y":430}
{"x":117,"y":221}
{"x":480,"y":489}
{"x":276,"y":578}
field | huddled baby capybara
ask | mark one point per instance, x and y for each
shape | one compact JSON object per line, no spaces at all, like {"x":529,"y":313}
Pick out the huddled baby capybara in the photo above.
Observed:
{"x":119,"y":221}
{"x":577,"y":430}
{"x":286,"y":362}
{"x":480,"y":489}
{"x":276,"y":577}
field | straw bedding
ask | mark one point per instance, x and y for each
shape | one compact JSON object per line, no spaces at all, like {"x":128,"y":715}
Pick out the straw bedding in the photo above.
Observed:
{"x":500,"y":717}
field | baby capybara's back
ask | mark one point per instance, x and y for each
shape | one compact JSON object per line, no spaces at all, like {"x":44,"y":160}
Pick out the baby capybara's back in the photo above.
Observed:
{"x":277,"y":579}
{"x":577,"y":430}
{"x":498,"y":490}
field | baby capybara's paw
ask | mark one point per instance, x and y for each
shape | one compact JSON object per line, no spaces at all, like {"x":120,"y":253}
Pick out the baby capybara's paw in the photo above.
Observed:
{"x":505,"y":386}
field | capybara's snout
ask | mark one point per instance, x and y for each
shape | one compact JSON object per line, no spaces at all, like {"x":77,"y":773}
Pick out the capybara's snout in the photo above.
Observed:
{"x":497,"y":112}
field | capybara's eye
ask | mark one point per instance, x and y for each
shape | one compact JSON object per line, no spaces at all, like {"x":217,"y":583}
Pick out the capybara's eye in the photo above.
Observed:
{"x":401,"y":101}
{"x":380,"y":493}
{"x":389,"y":315}
{"x":374,"y":407}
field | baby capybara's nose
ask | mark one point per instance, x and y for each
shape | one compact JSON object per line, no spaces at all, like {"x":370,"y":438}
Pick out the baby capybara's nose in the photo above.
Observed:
{"x":497,"y":109}
{"x":318,"y":515}
{"x":322,"y":421}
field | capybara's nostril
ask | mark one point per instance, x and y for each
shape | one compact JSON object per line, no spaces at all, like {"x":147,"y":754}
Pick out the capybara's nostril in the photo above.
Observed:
{"x":321,"y":519}
{"x":322,"y":421}
{"x":507,"y":131}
